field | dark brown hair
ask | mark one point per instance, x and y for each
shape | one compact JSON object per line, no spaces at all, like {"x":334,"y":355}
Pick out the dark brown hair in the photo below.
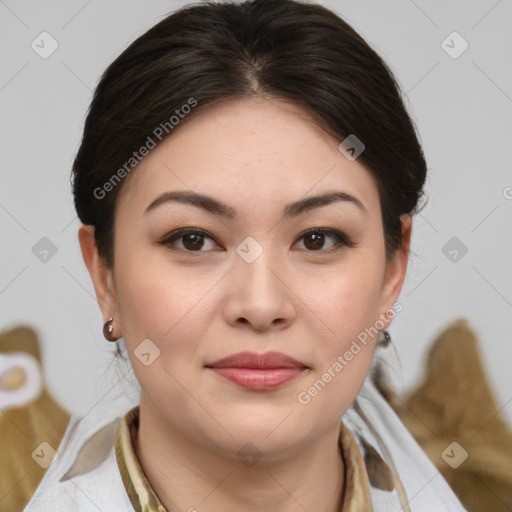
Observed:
{"x":211,"y":52}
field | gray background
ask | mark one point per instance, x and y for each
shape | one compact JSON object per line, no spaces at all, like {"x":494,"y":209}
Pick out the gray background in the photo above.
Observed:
{"x":462,"y":107}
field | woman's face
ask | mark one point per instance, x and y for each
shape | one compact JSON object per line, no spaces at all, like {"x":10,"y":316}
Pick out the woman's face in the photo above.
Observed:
{"x":270,"y":270}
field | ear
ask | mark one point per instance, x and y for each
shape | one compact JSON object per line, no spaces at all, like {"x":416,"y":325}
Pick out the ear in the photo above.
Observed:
{"x":101,"y":276}
{"x":396,"y":268}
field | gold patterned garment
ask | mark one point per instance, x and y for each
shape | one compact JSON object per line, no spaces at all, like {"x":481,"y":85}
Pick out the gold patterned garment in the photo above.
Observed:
{"x":385,"y":469}
{"x":143,"y":498}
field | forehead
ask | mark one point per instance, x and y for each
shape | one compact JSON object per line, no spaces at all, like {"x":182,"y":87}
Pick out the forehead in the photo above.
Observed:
{"x":248,"y":152}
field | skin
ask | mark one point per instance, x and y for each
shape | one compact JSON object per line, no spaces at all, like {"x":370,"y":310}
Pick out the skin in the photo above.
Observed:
{"x":256,"y":155}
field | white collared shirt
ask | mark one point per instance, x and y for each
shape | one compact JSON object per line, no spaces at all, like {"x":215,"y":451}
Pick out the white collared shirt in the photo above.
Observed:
{"x":87,"y":455}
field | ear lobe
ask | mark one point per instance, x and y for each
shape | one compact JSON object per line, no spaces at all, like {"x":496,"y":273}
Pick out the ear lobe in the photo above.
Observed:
{"x":396,"y":268}
{"x":101,"y":276}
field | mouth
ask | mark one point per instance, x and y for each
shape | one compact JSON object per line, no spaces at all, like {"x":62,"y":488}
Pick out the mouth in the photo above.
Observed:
{"x":262,"y":372}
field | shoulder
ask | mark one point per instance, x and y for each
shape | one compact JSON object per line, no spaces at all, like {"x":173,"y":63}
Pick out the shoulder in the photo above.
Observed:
{"x":98,"y":489}
{"x":419,"y":486}
{"x":84,"y":475}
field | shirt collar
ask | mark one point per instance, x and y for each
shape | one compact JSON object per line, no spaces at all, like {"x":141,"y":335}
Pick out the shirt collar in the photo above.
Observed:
{"x":357,"y":491}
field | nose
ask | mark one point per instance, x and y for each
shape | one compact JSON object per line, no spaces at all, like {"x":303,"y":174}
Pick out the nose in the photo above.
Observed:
{"x":259,"y":295}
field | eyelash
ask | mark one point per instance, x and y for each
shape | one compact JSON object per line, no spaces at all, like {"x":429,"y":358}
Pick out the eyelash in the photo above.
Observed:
{"x":340,"y":238}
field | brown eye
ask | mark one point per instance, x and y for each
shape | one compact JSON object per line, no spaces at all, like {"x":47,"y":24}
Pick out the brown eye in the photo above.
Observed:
{"x":193,"y":241}
{"x":189,"y":240}
{"x":315,"y":239}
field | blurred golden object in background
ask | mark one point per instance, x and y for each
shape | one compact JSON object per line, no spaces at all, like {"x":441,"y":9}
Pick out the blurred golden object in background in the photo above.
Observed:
{"x":29,"y":416}
{"x":455,"y":418}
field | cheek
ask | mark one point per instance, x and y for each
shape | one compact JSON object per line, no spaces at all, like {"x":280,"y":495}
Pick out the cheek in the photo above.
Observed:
{"x":158,"y":303}
{"x":159,"y":307}
{"x":347,"y":300}
{"x":343,"y":356}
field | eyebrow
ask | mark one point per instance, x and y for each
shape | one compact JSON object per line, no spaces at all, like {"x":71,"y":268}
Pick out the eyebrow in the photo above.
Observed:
{"x":215,"y":206}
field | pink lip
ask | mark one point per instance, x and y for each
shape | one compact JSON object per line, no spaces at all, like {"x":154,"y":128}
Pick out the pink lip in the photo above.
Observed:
{"x":258,"y":371}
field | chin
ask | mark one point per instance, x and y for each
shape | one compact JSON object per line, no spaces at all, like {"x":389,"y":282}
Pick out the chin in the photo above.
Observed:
{"x":271,"y":426}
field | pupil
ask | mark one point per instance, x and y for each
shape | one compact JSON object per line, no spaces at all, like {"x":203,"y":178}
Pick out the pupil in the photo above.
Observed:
{"x":191,"y":241}
{"x":318,"y":241}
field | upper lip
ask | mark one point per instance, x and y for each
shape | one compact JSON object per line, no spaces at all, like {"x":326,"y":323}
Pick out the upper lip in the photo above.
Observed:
{"x":254,"y":360}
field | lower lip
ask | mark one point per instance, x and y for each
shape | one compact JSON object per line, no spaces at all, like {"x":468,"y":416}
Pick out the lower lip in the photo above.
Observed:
{"x":259,"y":379}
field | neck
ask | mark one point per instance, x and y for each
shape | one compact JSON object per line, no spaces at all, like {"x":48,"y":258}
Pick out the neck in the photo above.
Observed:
{"x":188,"y":476}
